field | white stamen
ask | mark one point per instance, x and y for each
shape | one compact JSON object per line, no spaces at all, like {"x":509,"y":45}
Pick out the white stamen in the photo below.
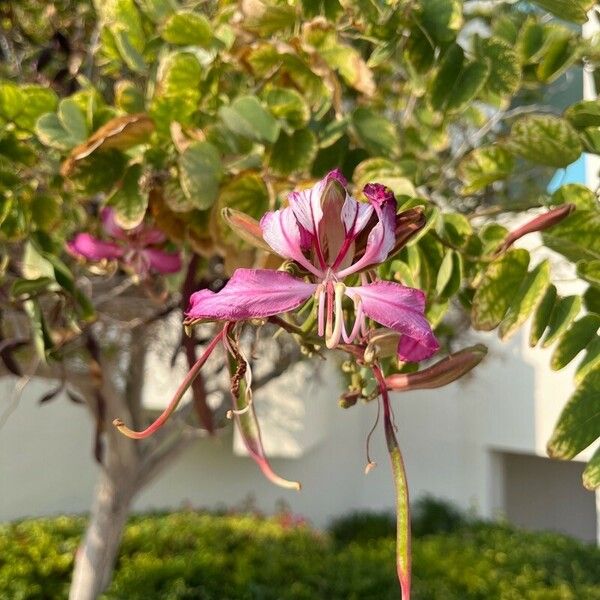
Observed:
{"x":333,"y":339}
{"x":358,"y":322}
{"x":320,"y":295}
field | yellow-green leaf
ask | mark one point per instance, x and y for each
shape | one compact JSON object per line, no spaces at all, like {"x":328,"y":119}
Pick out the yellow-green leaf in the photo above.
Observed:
{"x":527,"y":297}
{"x":546,"y":140}
{"x":563,"y":314}
{"x":497,"y":288}
{"x":573,"y":341}
{"x":579,"y":423}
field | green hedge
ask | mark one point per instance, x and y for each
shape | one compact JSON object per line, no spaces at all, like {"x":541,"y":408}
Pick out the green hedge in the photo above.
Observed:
{"x":190,"y":555}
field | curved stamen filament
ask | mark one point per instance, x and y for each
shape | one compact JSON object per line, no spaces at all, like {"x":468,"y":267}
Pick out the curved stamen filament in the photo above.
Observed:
{"x":320,"y":294}
{"x":358,"y":322}
{"x":181,"y":390}
{"x":333,"y":338}
{"x":329,"y":308}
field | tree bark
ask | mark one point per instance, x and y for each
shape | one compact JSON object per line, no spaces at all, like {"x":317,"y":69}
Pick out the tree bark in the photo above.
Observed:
{"x":118,"y":481}
{"x":97,"y":554}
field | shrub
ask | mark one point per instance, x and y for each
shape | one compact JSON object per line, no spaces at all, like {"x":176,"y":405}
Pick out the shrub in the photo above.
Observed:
{"x":189,"y":555}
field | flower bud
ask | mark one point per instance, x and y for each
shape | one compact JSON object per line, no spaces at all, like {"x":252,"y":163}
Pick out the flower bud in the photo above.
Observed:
{"x":439,"y":374}
{"x":245,"y":227}
{"x":539,"y":223}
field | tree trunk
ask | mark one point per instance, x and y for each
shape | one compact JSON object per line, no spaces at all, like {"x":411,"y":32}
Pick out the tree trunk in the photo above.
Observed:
{"x":97,"y":553}
{"x":118,"y":482}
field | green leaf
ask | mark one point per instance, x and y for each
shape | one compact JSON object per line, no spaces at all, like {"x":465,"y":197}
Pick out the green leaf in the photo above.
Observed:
{"x":374,"y":169}
{"x":187,"y":28}
{"x":455,"y":229}
{"x":51,"y":133}
{"x":504,"y":76}
{"x":491,"y":235}
{"x":179,"y":76}
{"x":246,"y":193}
{"x":577,"y":237}
{"x":42,"y":340}
{"x":178,"y":90}
{"x":575,"y":193}
{"x":483,"y":166}
{"x":531,"y":40}
{"x":200,"y":172}
{"x":45,"y":211}
{"x":374,"y":132}
{"x":584,"y":114}
{"x":29,"y":287}
{"x":247,"y":117}
{"x":560,"y":52}
{"x":442,"y":19}
{"x":332,"y":132}
{"x":11,"y":100}
{"x":446,"y":77}
{"x":444,"y":273}
{"x":590,"y":362}
{"x":37,"y":101}
{"x":564,"y":313}
{"x":130,"y":55}
{"x":72,"y":120}
{"x":348,"y":62}
{"x":542,"y":315}
{"x":98,"y":172}
{"x":570,"y":10}
{"x":129,"y":97}
{"x":288,"y":106}
{"x":495,"y":293}
{"x":579,"y":423}
{"x":591,"y":299}
{"x":579,"y":335}
{"x":266,"y":19}
{"x":456,"y":83}
{"x":128,"y":200}
{"x":589,"y":271}
{"x":527,"y":298}
{"x":546,"y":140}
{"x":157,"y":10}
{"x":449,"y":275}
{"x":591,"y":474}
{"x":420,"y":50}
{"x":294,"y":152}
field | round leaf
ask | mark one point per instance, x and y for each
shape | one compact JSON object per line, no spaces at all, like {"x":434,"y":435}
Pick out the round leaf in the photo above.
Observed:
{"x":200,"y":171}
{"x":546,"y":140}
{"x":497,"y":288}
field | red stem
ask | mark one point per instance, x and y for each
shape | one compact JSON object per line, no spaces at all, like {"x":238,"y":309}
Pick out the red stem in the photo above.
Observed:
{"x":181,"y":390}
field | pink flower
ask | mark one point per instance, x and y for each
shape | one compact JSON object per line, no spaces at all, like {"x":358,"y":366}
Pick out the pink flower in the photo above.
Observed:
{"x":137,"y":249}
{"x":332,"y":237}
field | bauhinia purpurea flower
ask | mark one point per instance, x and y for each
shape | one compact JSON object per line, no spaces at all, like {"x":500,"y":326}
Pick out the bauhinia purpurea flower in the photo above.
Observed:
{"x":139,"y":250}
{"x":332,"y":243}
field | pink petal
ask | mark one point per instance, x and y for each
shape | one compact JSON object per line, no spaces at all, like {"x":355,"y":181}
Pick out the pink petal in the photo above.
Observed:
{"x":331,"y":228}
{"x":306,"y":206}
{"x":355,"y":215}
{"x":251,"y":293}
{"x":87,"y":246}
{"x":338,"y":176}
{"x":402,"y":309}
{"x":283,"y":233}
{"x":161,"y":261}
{"x":149,"y":236}
{"x":378,"y":194}
{"x":381,"y":240}
{"x":109,"y":224}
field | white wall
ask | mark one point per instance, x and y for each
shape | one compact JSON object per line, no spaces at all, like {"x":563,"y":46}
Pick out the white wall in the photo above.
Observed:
{"x":449,"y":438}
